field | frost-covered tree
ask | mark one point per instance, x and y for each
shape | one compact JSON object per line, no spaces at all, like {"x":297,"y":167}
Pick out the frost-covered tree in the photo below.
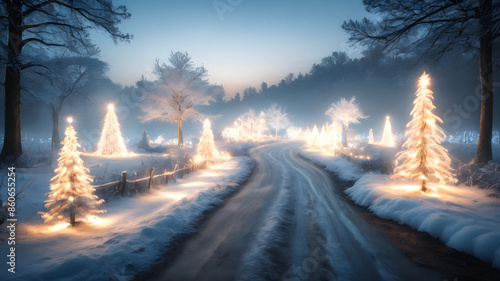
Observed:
{"x":60,"y":79}
{"x":145,"y":142}
{"x":47,"y":25}
{"x":347,"y":112}
{"x":314,"y":137}
{"x":436,"y":27}
{"x":178,"y":93}
{"x":246,"y":124}
{"x":250,"y":126}
{"x":111,"y":141}
{"x":277,"y":119}
{"x":423,"y":159}
{"x":206,"y":149}
{"x":71,"y":195}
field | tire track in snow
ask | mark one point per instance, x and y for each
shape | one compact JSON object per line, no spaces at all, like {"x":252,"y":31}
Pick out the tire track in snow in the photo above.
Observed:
{"x":267,"y":257}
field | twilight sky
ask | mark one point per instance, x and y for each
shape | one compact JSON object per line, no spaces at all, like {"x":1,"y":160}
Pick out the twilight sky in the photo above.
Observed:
{"x":250,"y":42}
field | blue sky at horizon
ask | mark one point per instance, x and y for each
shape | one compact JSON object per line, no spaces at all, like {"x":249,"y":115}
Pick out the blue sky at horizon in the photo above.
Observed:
{"x":256,"y":41}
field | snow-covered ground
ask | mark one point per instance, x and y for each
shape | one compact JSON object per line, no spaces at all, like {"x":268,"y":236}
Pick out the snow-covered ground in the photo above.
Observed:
{"x":124,"y":240}
{"x":463,"y":217}
{"x":343,"y":168}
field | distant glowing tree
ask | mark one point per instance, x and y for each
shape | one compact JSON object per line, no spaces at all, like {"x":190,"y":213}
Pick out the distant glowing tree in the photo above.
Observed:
{"x":71,"y":195}
{"x":277,"y":119}
{"x":424,"y":159}
{"x":111,"y":141}
{"x":387,"y":138}
{"x":346,"y":112}
{"x":335,"y":132}
{"x":370,"y":136}
{"x":314,"y":137}
{"x":206,"y":149}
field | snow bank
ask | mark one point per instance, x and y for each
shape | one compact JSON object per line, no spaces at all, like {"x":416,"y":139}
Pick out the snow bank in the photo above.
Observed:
{"x":129,"y":237}
{"x":343,"y":168}
{"x":463,"y":217}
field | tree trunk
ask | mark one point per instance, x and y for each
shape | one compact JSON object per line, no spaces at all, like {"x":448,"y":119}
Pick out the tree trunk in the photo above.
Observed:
{"x":180,"y":139}
{"x":56,"y":140}
{"x":12,"y":150}
{"x":484,"y":153}
{"x":344,"y":136}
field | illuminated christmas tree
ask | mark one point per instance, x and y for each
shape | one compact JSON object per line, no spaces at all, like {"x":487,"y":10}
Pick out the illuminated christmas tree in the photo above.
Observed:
{"x":387,"y":139}
{"x":423,"y":158}
{"x":111,"y":141}
{"x":71,"y":195}
{"x":314,"y":137}
{"x":206,"y":149}
{"x":370,"y":136}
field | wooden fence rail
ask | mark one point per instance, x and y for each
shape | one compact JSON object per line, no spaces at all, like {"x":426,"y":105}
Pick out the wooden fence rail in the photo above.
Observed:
{"x":126,"y":187}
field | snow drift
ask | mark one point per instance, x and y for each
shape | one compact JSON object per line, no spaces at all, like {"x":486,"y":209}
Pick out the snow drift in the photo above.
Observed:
{"x":343,"y":168}
{"x":465,"y":218}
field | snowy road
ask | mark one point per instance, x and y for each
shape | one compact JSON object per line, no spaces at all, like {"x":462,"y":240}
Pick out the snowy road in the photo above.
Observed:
{"x":288,"y":222}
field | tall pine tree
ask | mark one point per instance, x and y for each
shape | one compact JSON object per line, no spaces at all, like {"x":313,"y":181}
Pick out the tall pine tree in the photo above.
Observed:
{"x":111,"y":141}
{"x":71,"y":195}
{"x":423,"y":159}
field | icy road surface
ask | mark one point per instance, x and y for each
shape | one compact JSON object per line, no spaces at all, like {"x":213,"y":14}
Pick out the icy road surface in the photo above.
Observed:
{"x":288,"y":222}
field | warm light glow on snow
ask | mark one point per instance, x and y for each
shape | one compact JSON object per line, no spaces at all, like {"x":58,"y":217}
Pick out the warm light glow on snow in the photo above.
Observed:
{"x":193,"y":183}
{"x":423,"y":158}
{"x":412,"y":189}
{"x":59,"y":227}
{"x":111,"y":142}
{"x":387,"y":138}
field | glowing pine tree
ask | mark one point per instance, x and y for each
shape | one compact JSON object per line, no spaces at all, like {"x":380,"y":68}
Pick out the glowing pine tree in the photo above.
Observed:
{"x":71,"y":195}
{"x":314,"y":137}
{"x":111,"y":141}
{"x":387,"y":138}
{"x":370,"y":136}
{"x":424,"y":159}
{"x":206,"y":149}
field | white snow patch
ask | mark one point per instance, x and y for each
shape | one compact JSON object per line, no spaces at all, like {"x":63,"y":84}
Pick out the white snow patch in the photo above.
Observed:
{"x":128,"y":238}
{"x":463,"y":217}
{"x":343,"y":168}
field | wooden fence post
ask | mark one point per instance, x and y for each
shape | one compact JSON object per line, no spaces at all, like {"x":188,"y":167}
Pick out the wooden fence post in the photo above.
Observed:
{"x":151,"y":178}
{"x":174,"y":176}
{"x":72,"y":220}
{"x":166,"y":178}
{"x":123,"y":184}
{"x":134,"y":188}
